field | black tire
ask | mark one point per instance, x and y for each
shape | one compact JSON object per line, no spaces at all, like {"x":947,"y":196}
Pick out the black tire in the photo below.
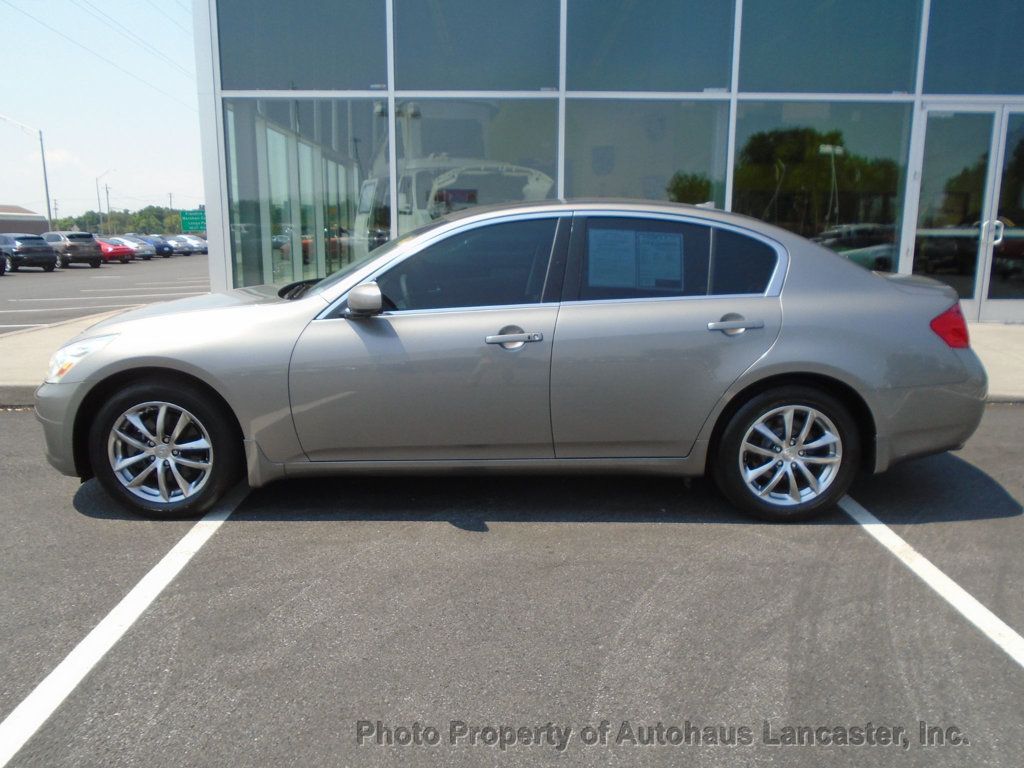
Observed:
{"x":147,"y":258}
{"x":124,"y":261}
{"x":64,"y":263}
{"x":50,"y":267}
{"x":225,"y":456}
{"x":167,"y":255}
{"x":727,"y":457}
{"x":95,"y":263}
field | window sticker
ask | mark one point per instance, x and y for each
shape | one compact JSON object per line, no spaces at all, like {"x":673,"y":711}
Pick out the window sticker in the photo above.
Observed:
{"x":611,"y":257}
{"x":659,"y":260}
{"x":625,"y":258}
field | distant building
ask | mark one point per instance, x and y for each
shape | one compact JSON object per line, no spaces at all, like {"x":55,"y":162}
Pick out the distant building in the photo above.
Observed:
{"x":14,"y":218}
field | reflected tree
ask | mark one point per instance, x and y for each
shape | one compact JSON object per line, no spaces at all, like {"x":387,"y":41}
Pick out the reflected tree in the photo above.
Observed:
{"x":689,"y":188}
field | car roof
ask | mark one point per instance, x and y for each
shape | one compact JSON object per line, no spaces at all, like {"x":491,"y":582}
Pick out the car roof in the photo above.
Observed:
{"x":628,"y":206}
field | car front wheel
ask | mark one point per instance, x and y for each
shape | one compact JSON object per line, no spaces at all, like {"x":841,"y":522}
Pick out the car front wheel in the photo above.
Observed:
{"x":788,"y":454}
{"x":167,"y":452}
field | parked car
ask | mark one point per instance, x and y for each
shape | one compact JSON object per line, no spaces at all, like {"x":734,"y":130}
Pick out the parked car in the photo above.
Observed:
{"x":181,"y":246}
{"x":22,"y":250}
{"x":75,"y":248}
{"x":439,"y":352}
{"x":160,"y":246}
{"x":142,"y":249}
{"x":199,"y":245}
{"x":113,"y":250}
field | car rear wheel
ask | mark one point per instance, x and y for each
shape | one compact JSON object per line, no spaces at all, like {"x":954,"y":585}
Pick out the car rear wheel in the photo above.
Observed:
{"x":788,"y":454}
{"x":95,"y":263}
{"x":167,"y":452}
{"x":50,"y":267}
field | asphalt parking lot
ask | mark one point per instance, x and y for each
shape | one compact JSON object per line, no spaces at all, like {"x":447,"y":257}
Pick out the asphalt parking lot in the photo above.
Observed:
{"x":31,"y":298}
{"x":525,"y":603}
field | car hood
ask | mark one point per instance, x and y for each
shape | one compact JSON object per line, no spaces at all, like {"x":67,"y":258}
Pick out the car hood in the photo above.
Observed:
{"x":207,"y":303}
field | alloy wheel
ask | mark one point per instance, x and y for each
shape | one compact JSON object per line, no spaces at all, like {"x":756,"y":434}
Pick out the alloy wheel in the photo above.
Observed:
{"x":160,"y":452}
{"x":790,"y":455}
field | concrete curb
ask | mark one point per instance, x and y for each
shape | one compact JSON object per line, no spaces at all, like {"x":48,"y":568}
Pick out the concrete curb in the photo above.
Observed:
{"x":17,"y":395}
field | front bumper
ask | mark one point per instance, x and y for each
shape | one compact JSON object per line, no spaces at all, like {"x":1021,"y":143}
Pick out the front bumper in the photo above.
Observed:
{"x":56,"y":405}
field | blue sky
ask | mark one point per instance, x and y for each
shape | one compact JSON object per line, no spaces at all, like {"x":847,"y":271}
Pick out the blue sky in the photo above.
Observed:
{"x":95,"y":117}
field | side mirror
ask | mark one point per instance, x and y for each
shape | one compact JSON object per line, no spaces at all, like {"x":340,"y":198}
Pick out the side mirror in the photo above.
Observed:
{"x":364,"y":300}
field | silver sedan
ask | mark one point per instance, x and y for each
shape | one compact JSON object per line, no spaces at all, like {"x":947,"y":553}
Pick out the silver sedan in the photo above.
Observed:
{"x":563,"y":337}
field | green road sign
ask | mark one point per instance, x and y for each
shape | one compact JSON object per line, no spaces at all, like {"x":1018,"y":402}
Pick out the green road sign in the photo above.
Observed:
{"x":193,"y":221}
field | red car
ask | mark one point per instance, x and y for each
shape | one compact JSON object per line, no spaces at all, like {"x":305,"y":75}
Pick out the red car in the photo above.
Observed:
{"x":113,"y":249}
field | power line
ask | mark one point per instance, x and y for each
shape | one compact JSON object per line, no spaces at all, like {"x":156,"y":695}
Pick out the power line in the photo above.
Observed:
{"x":169,"y":17}
{"x":108,"y":21}
{"x":98,"y":56}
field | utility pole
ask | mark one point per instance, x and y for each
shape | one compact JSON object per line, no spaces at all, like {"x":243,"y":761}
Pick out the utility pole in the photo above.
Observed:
{"x":106,"y":187}
{"x":170,"y":200}
{"x":99,"y":205}
{"x":42,"y":152}
{"x":54,"y":210}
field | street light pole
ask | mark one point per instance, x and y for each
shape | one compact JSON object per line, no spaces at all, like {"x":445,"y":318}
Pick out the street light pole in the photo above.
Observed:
{"x":42,"y":151}
{"x":46,"y":182}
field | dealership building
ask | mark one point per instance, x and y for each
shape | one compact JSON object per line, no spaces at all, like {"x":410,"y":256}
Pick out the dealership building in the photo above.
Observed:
{"x":889,"y":130}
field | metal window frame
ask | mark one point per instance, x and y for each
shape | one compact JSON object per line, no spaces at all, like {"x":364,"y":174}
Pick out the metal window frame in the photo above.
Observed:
{"x":212,"y":96}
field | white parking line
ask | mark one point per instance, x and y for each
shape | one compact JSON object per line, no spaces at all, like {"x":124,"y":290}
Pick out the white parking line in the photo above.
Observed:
{"x":994,"y":628}
{"x":68,"y":309}
{"x":99,"y":298}
{"x":168,"y":288}
{"x":33,"y":711}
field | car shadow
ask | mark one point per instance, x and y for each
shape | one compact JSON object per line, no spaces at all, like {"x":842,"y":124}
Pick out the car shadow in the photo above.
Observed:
{"x":934,"y":490}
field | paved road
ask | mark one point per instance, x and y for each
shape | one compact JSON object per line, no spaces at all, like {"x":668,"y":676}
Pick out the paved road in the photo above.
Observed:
{"x":519,"y":602}
{"x":31,"y":297}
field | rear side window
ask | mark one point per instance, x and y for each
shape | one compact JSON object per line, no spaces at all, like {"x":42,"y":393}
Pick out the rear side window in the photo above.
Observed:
{"x":33,"y":239}
{"x":635,"y":258}
{"x":740,"y":264}
{"x":52,"y":238}
{"x":80,"y":236}
{"x":494,"y":265}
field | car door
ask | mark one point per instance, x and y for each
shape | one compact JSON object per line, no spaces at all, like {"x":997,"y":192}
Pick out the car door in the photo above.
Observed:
{"x":659,"y":317}
{"x":456,"y":368}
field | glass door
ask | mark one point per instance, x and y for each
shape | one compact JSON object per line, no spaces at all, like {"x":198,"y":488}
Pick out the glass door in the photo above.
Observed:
{"x":970,"y":212}
{"x":1002,"y":288}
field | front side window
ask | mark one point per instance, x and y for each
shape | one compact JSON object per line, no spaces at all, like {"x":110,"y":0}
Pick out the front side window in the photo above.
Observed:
{"x":495,"y":265}
{"x":631,"y":258}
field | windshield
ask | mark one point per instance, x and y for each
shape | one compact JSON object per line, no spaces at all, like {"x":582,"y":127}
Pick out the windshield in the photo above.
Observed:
{"x":336,"y":277}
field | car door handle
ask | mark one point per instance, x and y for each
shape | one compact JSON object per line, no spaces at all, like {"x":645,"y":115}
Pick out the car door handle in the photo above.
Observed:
{"x":513,"y":338}
{"x":735,"y":325}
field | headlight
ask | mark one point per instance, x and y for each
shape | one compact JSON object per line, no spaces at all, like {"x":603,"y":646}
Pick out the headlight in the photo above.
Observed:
{"x":66,"y":358}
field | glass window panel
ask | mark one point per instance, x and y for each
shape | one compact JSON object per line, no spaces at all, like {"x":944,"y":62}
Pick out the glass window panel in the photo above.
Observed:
{"x":655,"y":150}
{"x":456,"y":153}
{"x":740,"y":264}
{"x":832,"y":172}
{"x":1007,"y":274}
{"x":663,"y":45}
{"x":497,"y":265}
{"x":828,"y":45}
{"x":633,"y":258}
{"x":953,"y":175}
{"x":266,"y":44}
{"x":296,"y":171}
{"x":479,"y":45}
{"x":974,"y":47}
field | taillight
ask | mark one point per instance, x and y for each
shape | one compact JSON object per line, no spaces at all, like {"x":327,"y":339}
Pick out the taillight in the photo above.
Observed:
{"x":952,"y":328}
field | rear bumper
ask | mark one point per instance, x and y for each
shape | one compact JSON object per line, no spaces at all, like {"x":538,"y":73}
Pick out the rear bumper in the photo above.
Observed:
{"x":33,"y":259}
{"x":919,"y":421}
